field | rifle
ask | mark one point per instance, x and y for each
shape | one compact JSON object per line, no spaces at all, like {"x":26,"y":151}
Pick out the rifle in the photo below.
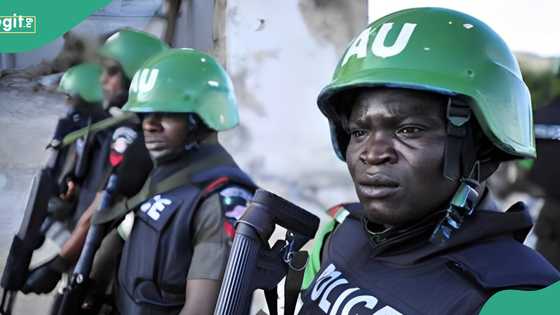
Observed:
{"x":74,"y":294}
{"x":252,"y":264}
{"x":30,"y":236}
{"x":75,"y":172}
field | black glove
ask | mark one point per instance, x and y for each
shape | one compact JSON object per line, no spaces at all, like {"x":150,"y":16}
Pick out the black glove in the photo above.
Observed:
{"x":43,"y":279}
{"x":93,"y":301}
{"x":60,"y":209}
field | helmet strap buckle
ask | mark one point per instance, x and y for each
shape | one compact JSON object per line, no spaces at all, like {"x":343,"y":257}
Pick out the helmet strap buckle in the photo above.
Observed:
{"x":460,"y":164}
{"x":458,"y":114}
{"x":462,"y":205}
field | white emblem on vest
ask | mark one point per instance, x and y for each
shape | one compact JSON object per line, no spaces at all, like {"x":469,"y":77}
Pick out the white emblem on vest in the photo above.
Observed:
{"x":153,"y":210}
{"x":329,"y":279}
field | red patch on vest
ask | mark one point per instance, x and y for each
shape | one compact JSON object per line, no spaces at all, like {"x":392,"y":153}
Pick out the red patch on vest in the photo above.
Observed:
{"x":333,"y":211}
{"x":115,"y":158}
{"x":215,"y":184}
{"x":230,"y":230}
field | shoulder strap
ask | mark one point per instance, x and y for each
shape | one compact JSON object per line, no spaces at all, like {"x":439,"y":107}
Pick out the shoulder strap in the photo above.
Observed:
{"x":180,"y":178}
{"x":512,"y":264}
{"x":339,"y":213}
{"x":229,"y":170}
{"x":215,"y":185}
{"x":294,"y":279}
{"x":100,"y":125}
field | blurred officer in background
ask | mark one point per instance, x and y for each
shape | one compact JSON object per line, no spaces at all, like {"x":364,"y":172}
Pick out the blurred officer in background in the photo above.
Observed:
{"x":178,"y":235}
{"x":122,"y":53}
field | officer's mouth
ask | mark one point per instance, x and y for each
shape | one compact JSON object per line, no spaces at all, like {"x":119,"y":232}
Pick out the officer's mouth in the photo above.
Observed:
{"x":155,"y":145}
{"x":377,"y":186}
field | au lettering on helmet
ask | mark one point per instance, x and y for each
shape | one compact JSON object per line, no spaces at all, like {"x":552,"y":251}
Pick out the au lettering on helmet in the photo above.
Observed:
{"x":144,"y":80}
{"x":359,"y":47}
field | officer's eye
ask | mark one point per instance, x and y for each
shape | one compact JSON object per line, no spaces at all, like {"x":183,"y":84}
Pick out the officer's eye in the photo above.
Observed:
{"x":357,"y":133}
{"x":410,"y":130}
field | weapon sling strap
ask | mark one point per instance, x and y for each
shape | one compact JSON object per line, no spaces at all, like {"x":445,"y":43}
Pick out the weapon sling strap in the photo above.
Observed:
{"x":180,"y":178}
{"x":294,"y":278}
{"x":271,"y":297}
{"x":100,"y":125}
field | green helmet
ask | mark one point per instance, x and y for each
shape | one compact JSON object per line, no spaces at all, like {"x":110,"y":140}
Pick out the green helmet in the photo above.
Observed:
{"x":443,"y":51}
{"x":185,"y":81}
{"x":83,"y":81}
{"x":131,"y":49}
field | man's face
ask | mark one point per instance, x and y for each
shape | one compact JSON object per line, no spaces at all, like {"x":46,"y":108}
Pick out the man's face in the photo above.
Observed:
{"x":71,"y":101}
{"x":165,"y":134}
{"x":113,"y":82}
{"x":76,"y":103}
{"x":395,"y":154}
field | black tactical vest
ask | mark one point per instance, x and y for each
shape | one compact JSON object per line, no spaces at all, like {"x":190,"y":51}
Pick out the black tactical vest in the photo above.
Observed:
{"x":132,"y":171}
{"x":156,"y":257}
{"x":97,"y":168}
{"x":354,"y":280}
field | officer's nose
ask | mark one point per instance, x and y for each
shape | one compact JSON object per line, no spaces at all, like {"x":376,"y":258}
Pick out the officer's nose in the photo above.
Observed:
{"x":379,"y":149}
{"x":152,"y":123}
{"x":104,"y":79}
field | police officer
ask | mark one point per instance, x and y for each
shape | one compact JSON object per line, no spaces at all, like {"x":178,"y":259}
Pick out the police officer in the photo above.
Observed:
{"x":423,"y":106}
{"x":123,"y":53}
{"x":83,"y":92}
{"x":175,"y":255}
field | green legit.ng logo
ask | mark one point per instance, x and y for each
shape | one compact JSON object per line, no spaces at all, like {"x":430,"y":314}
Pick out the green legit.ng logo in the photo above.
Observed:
{"x":520,"y":302}
{"x":18,"y":24}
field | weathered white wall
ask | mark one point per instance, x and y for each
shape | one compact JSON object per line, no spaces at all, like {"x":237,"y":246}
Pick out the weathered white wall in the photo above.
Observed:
{"x":280,"y":55}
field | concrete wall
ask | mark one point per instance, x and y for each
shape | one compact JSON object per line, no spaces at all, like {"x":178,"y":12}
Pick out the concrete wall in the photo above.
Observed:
{"x":280,"y":54}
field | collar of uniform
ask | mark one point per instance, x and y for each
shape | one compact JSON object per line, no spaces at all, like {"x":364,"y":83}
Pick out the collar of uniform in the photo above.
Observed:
{"x":412,"y":245}
{"x":192,"y":155}
{"x":402,"y":238}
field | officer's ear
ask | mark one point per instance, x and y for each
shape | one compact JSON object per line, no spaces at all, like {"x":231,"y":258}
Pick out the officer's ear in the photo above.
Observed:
{"x":125,"y":81}
{"x":198,"y":131}
{"x":487,"y":154}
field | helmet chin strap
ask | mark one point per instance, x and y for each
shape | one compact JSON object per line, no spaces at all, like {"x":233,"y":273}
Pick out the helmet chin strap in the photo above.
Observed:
{"x":458,"y":115}
{"x":460,"y":164}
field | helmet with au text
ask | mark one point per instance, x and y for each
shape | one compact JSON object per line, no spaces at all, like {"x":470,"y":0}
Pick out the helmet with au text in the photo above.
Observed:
{"x":442,"y":51}
{"x":185,"y":81}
